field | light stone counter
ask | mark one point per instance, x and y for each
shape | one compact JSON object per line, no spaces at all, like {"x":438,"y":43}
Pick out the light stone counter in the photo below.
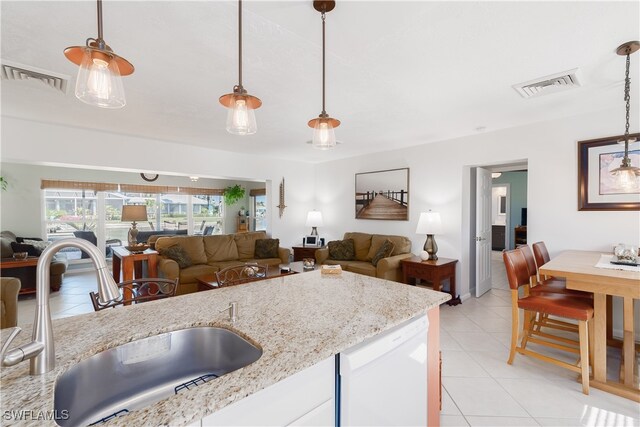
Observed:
{"x":297,"y":320}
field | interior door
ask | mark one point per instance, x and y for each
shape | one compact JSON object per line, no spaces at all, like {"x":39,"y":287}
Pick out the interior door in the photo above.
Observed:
{"x":483,"y":231}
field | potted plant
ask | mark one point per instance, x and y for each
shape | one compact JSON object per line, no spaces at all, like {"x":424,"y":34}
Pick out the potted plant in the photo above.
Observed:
{"x":3,"y":183}
{"x":233,"y":194}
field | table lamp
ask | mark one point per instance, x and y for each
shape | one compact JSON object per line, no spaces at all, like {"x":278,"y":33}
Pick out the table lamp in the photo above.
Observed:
{"x":314,"y":220}
{"x":430,"y":224}
{"x":133,"y":213}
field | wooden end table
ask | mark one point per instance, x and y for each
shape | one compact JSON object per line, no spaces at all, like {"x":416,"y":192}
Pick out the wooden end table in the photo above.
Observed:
{"x":302,"y":252}
{"x":130,"y":262}
{"x":433,"y":271}
{"x":7,"y":263}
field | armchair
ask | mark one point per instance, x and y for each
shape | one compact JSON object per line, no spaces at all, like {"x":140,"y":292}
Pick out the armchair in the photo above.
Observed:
{"x":91,"y":237}
{"x":9,"y":288}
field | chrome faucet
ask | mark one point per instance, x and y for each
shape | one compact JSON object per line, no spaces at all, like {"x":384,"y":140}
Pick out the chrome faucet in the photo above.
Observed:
{"x":40,"y":350}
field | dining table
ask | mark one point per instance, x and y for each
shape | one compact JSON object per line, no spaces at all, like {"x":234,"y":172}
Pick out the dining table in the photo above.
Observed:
{"x":593,"y":272}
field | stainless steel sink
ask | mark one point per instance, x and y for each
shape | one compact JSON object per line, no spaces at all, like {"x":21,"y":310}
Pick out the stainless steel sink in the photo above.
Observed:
{"x":142,"y":372}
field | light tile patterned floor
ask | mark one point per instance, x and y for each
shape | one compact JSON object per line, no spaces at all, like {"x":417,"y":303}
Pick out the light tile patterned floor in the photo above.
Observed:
{"x":479,"y":387}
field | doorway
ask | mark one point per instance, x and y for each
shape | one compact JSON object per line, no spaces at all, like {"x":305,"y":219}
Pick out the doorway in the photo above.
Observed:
{"x":498,"y":221}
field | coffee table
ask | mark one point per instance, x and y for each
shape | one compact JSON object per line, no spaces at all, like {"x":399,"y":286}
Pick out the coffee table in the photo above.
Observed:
{"x":209,"y":281}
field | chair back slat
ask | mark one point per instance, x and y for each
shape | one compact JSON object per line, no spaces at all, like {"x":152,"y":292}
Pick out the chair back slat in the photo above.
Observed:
{"x":541,"y":254}
{"x":141,"y":290}
{"x":243,"y":273}
{"x":516,"y":266}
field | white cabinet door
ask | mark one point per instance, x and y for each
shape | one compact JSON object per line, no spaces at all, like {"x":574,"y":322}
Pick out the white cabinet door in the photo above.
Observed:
{"x":323,"y":415}
{"x":285,"y":402}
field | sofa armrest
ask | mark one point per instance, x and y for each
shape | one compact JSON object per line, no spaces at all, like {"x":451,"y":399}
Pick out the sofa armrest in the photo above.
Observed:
{"x":322,"y":255}
{"x":168,"y":268}
{"x":390,"y":263}
{"x":283,"y":254}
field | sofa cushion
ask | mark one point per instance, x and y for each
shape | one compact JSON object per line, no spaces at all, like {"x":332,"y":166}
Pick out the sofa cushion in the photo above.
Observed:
{"x":362,"y":267}
{"x":5,"y":248}
{"x":8,"y":235}
{"x":23,"y":247}
{"x":189,"y":274}
{"x":362,"y":242}
{"x":220,"y":248}
{"x":342,"y":250}
{"x":385,"y":250}
{"x":267,"y":248}
{"x":246,"y":243}
{"x":402,"y":245}
{"x":178,"y":254}
{"x":38,"y":244}
{"x":193,"y":246}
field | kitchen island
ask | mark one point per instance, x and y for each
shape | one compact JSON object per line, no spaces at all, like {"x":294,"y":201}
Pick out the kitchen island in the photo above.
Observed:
{"x":297,"y":321}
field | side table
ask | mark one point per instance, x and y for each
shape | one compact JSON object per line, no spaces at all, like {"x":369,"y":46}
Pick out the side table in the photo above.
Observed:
{"x":301,"y":252}
{"x":433,"y":271}
{"x":129,"y":262}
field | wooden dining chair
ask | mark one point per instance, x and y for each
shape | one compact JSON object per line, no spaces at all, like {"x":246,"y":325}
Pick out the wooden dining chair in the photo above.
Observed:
{"x":141,"y":290}
{"x":541,"y":255}
{"x":238,"y":274}
{"x":558,"y":305}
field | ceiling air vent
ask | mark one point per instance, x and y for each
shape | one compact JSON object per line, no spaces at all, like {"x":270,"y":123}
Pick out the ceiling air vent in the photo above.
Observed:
{"x":14,"y":71}
{"x":549,"y":84}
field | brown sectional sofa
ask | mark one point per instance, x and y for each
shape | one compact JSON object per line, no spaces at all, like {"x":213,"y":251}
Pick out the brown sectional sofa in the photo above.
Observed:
{"x":366,"y":246}
{"x":210,"y":254}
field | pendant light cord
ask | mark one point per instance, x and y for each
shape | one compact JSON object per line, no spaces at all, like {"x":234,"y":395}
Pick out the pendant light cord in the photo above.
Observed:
{"x":100,"y":20}
{"x":324,"y":112}
{"x":240,"y":43}
{"x":627,"y":98}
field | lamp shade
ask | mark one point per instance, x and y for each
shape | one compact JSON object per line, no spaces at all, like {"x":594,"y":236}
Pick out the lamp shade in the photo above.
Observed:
{"x":429,"y":223}
{"x":314,"y":219}
{"x":134,"y":213}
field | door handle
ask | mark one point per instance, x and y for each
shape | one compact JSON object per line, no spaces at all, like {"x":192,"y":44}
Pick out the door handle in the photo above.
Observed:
{"x":480,"y":239}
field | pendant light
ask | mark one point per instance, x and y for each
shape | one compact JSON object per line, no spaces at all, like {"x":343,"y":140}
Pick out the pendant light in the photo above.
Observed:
{"x":99,"y":80}
{"x":324,"y":137}
{"x":626,"y":175}
{"x":241,"y":119}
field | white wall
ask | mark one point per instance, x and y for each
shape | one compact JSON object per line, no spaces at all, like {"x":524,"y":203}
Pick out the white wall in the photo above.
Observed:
{"x":38,"y":143}
{"x":439,"y":180}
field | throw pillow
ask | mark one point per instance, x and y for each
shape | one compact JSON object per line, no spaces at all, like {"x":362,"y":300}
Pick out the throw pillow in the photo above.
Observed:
{"x":342,"y":250}
{"x":267,"y":248}
{"x":178,"y":254}
{"x":5,"y":248}
{"x":386,"y":249}
{"x":38,"y":244}
{"x":23,"y":247}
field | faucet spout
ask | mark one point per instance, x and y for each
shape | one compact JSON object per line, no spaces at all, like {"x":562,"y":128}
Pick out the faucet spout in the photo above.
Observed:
{"x":41,"y":350}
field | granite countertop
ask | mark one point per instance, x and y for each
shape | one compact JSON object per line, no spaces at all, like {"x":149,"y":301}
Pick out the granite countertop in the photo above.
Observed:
{"x":297,"y":320}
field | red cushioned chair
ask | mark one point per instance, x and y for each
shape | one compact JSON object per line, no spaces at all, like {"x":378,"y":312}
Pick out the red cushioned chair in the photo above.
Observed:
{"x":558,"y":305}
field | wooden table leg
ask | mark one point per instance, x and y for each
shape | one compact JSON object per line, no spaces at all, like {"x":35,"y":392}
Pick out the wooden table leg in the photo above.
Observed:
{"x":628,"y":344}
{"x":600,"y":337}
{"x":152,"y":265}
{"x":455,"y":299}
{"x":116,"y":267}
{"x":127,"y":274}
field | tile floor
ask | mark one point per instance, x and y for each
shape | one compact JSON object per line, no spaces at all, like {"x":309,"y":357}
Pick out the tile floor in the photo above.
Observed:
{"x":479,"y":387}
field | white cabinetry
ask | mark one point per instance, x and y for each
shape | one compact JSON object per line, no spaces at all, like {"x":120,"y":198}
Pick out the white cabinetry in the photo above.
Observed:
{"x":303,"y":399}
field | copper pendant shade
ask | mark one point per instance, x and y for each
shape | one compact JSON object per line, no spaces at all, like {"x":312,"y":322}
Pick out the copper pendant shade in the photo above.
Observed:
{"x":75,"y":54}
{"x":323,"y":125}
{"x":99,"y":77}
{"x":627,"y":176}
{"x":241,"y":118}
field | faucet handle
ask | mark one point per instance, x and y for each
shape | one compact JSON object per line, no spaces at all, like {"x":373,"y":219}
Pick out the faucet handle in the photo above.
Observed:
{"x":12,"y":335}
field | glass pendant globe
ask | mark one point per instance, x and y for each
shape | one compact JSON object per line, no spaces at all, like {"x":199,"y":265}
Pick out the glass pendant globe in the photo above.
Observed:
{"x":99,"y":82}
{"x":324,"y":137}
{"x":241,"y":119}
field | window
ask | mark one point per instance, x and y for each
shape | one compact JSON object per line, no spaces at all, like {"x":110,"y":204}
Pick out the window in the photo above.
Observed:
{"x":260,"y":212}
{"x":207,"y":214}
{"x":69,"y":211}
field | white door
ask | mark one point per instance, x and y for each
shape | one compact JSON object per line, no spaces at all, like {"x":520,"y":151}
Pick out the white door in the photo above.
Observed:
{"x":483,"y":231}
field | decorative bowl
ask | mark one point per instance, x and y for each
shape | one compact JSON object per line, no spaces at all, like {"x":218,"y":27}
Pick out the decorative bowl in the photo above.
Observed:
{"x":20,"y":255}
{"x":137,"y":248}
{"x":308,"y":263}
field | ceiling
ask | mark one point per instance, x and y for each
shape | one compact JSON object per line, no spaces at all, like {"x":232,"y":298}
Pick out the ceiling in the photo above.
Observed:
{"x":398,"y":73}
